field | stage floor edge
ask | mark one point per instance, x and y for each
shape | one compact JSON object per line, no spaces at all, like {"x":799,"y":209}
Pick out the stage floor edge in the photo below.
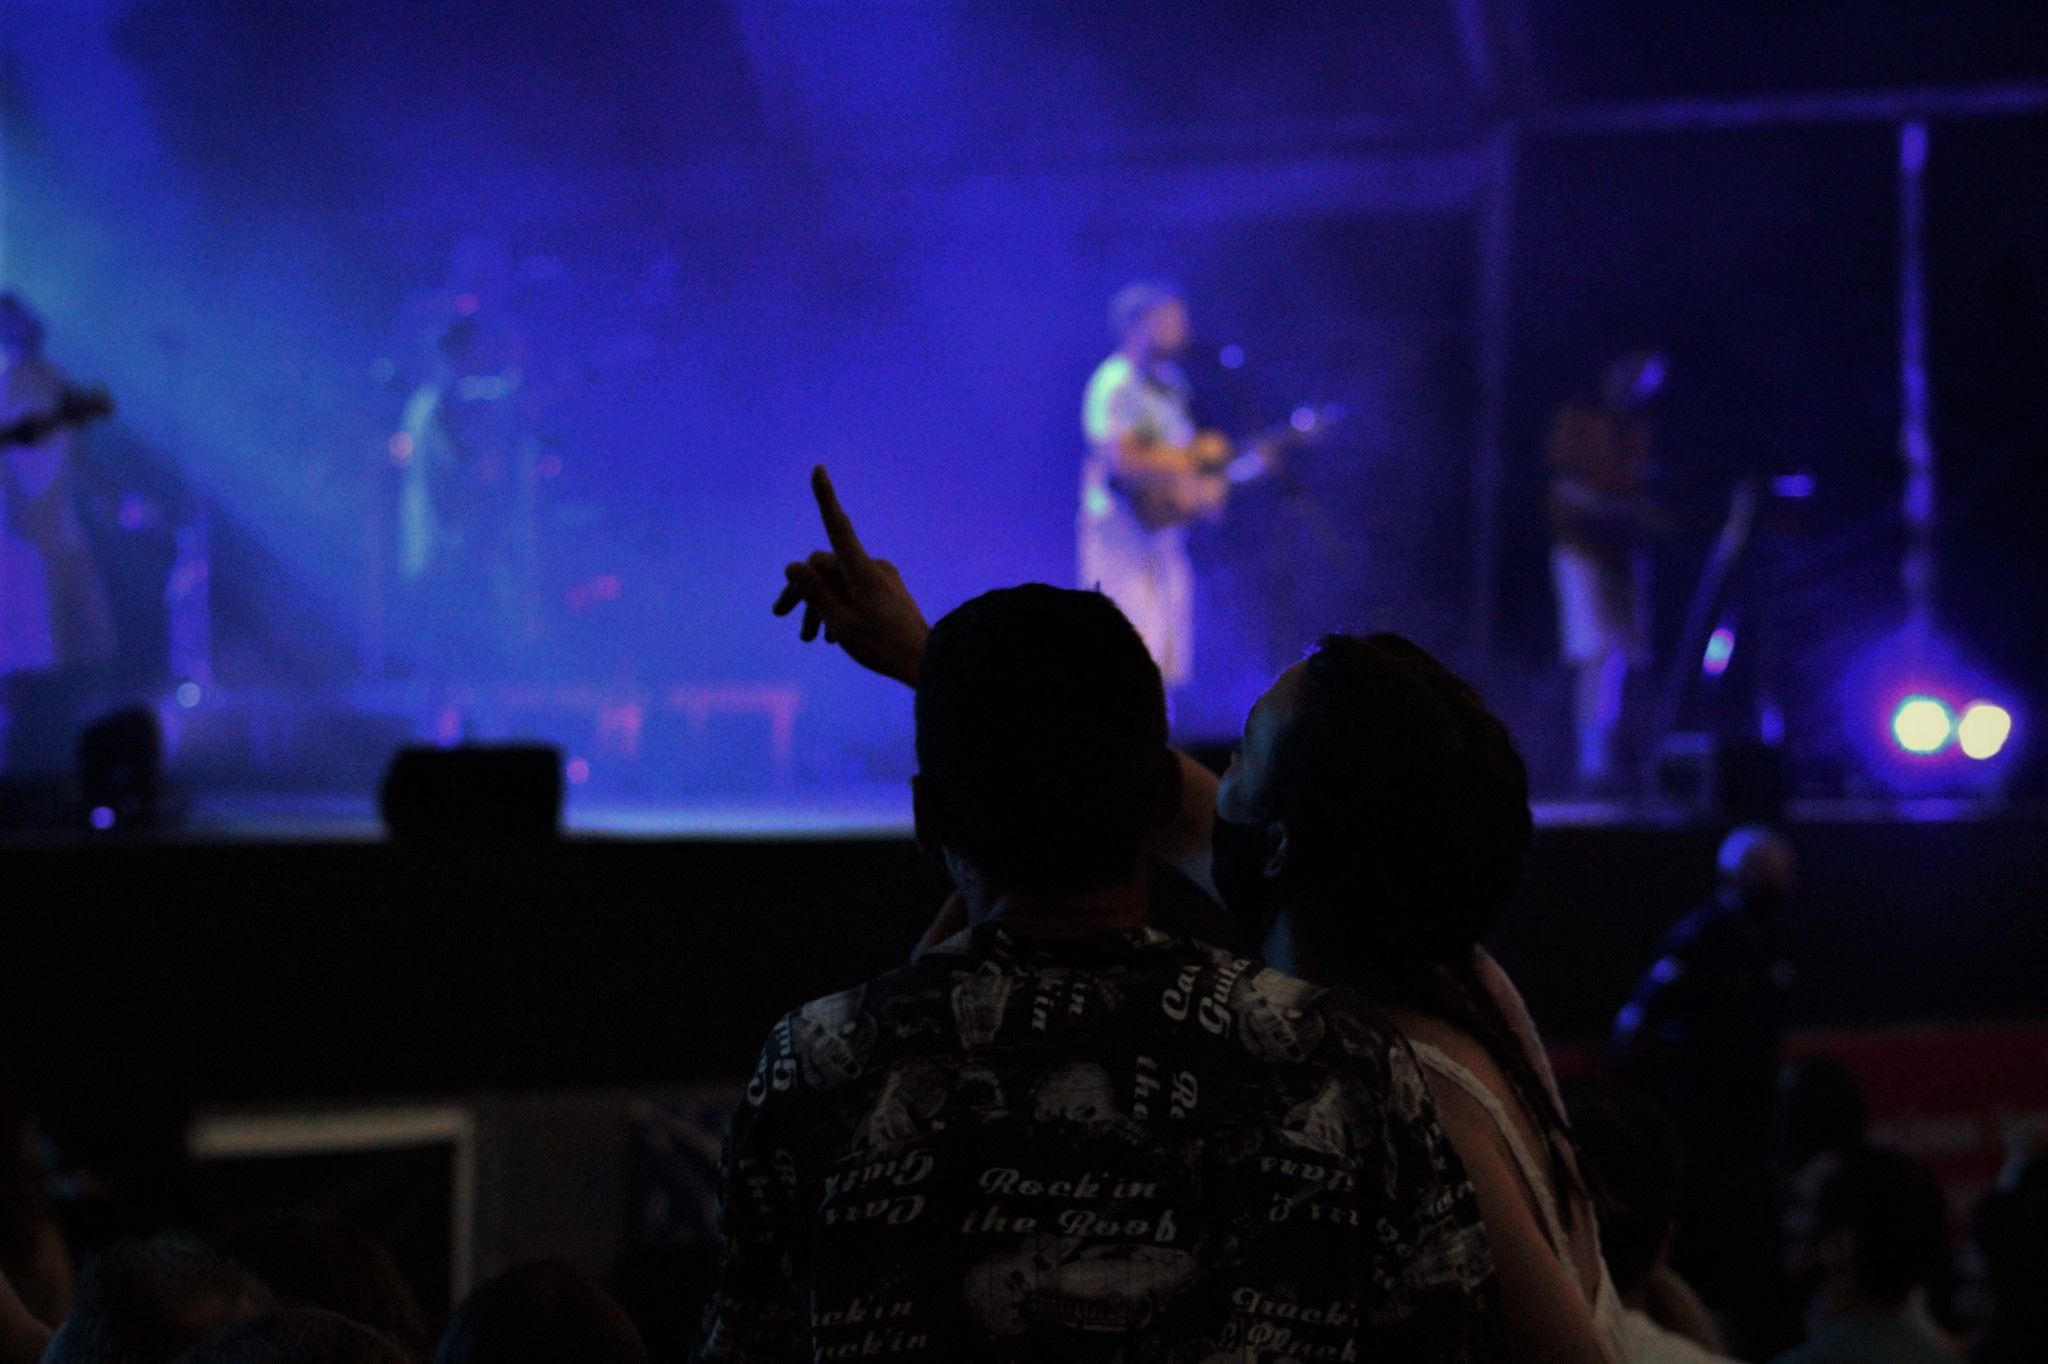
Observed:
{"x":884,"y":812}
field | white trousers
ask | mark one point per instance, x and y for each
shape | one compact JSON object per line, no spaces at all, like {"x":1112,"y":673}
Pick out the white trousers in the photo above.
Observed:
{"x":1147,"y":574}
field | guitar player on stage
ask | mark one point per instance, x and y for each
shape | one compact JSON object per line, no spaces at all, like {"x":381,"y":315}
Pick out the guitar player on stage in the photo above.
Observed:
{"x":55,"y":611}
{"x":1149,"y":473}
{"x":1602,"y":515}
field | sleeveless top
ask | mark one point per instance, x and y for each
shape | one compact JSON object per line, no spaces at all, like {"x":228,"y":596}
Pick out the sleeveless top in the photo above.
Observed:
{"x":1605,"y":1302}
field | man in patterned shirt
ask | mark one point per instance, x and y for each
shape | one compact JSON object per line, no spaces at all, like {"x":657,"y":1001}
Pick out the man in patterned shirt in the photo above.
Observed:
{"x":1060,"y":1134}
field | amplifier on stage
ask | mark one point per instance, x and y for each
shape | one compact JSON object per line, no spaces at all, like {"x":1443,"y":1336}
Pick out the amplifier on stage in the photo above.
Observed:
{"x":474,"y":792}
{"x":1735,"y":779}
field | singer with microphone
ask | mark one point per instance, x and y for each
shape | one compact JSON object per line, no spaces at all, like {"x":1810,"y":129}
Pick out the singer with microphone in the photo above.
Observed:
{"x":1148,"y":473}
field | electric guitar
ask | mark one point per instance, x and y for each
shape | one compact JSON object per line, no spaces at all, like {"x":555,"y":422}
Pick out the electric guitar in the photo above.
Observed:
{"x":1174,"y":497}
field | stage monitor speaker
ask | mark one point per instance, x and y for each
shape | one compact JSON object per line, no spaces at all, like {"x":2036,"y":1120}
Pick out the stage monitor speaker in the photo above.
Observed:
{"x":121,"y":770}
{"x":508,"y":793}
{"x":1741,"y":780}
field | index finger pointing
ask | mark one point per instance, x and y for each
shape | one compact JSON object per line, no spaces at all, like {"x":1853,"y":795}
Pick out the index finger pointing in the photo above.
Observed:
{"x":838,"y":525}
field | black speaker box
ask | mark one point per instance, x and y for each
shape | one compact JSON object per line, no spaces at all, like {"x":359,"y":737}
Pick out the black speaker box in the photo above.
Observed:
{"x":475,"y":792}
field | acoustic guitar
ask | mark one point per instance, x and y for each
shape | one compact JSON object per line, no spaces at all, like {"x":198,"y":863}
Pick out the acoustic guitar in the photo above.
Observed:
{"x":1164,"y":498}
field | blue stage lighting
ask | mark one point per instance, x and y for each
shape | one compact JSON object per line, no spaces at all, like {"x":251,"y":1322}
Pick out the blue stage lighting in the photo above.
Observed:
{"x":1922,"y":725}
{"x":1983,"y":729}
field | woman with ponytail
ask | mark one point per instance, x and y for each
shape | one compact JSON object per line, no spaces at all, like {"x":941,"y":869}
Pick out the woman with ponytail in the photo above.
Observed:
{"x":1377,"y":816}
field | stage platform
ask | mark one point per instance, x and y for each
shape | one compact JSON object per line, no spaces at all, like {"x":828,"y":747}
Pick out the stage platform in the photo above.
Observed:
{"x":883,"y":811}
{"x":283,"y":950}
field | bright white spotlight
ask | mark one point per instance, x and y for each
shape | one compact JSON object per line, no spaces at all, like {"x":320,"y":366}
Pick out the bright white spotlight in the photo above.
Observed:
{"x":1983,"y":730}
{"x":1922,"y":725}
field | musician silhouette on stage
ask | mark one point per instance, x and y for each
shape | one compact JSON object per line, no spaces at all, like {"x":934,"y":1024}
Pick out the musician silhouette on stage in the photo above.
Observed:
{"x":55,"y":612}
{"x":1601,"y":515}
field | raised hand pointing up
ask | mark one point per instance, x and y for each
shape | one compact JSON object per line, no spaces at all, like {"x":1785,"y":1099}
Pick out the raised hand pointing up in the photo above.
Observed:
{"x":859,"y":601}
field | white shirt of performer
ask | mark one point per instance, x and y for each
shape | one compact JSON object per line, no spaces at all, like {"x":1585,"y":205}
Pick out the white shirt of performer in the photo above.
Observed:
{"x":1145,"y":572}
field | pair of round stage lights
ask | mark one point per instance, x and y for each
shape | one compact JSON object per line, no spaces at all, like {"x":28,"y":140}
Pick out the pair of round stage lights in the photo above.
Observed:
{"x":1926,"y":725}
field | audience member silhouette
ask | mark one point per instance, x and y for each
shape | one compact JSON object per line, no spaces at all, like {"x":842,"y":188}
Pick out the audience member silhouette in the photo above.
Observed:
{"x":147,"y":1302}
{"x":1876,"y":1233}
{"x":1060,"y":1131}
{"x":310,"y":1260}
{"x":540,"y":1313}
{"x":1381,"y":812}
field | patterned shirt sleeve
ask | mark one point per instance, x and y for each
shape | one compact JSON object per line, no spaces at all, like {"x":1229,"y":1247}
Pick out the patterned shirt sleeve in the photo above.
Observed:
{"x":760,"y":1311}
{"x":1435,"y":1270}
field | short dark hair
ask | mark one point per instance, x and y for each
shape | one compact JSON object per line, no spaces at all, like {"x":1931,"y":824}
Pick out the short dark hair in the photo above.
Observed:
{"x":1041,"y":730}
{"x":1405,"y":801}
{"x":144,"y":1302}
{"x":294,"y":1334}
{"x":1892,"y":1205}
{"x":540,"y":1313}
{"x":1135,"y":300}
{"x":1635,"y":1156}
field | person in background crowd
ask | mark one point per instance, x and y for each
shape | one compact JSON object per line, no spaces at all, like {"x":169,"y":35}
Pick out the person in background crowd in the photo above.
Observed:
{"x":541,"y":1313}
{"x":1704,"y":1034}
{"x":1636,"y":1160}
{"x":1877,"y":1232}
{"x":2011,"y":1233}
{"x":35,"y":1257}
{"x":664,"y":1289}
{"x":308,"y":1260}
{"x":1820,"y":1111}
{"x":1380,"y":812}
{"x":1819,"y":1116}
{"x":147,"y":1302}
{"x":300,"y":1335}
{"x":1704,"y":1031}
{"x":121,"y":1164}
{"x":24,"y":1335}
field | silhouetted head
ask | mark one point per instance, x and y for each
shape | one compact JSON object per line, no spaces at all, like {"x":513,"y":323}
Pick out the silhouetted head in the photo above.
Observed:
{"x":541,"y":1313}
{"x":1878,"y":1228}
{"x":1148,"y":318}
{"x":1820,"y":1109}
{"x":1041,"y":741}
{"x":1758,"y":863}
{"x":146,"y":1302}
{"x":1377,"y":799}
